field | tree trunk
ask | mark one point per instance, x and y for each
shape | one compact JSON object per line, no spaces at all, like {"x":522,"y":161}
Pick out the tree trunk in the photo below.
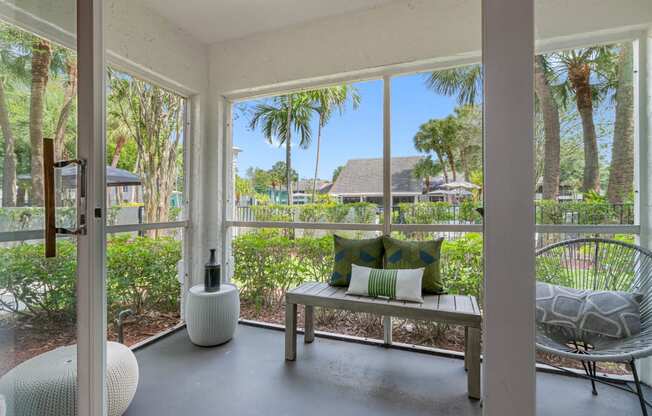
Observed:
{"x":70,"y":93}
{"x":621,"y":172}
{"x":314,"y":182}
{"x":119,"y":144}
{"x":451,"y":162}
{"x":443,"y":167}
{"x":41,"y":56}
{"x":9,"y":168}
{"x":580,"y":77}
{"x":288,"y":152}
{"x":551,"y":129}
{"x":465,"y":164}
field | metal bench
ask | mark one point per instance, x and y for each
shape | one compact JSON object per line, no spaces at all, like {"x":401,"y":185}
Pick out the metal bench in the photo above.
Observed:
{"x":450,"y":309}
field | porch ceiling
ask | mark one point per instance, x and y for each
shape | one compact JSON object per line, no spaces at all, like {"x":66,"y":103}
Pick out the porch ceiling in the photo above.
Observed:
{"x":214,"y":21}
{"x":249,"y":376}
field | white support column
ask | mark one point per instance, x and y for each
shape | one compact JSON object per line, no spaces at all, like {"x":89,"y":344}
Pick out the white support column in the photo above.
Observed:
{"x":226,"y":186}
{"x":643,"y":155}
{"x":509,"y":289}
{"x":91,"y":247}
{"x":387,"y":182}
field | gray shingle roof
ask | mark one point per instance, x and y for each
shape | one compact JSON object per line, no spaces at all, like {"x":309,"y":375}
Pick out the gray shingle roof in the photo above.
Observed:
{"x":305,"y":186}
{"x":365,"y":177}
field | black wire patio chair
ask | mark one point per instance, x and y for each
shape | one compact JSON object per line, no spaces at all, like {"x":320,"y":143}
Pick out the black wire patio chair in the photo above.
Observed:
{"x":600,"y":264}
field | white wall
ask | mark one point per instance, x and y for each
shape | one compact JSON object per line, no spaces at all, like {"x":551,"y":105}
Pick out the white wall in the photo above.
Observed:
{"x":403,"y":32}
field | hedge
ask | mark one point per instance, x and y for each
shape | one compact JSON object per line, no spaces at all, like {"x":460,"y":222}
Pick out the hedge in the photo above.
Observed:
{"x":267,"y":263}
{"x":31,"y":218}
{"x":359,"y":212}
{"x":141,"y":275}
{"x":547,"y":212}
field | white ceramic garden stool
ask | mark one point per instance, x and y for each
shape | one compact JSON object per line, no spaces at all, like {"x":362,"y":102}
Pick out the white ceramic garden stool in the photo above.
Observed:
{"x":211,"y":317}
{"x":46,"y":385}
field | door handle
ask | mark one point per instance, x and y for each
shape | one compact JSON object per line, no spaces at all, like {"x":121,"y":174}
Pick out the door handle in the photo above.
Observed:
{"x":51,"y":229}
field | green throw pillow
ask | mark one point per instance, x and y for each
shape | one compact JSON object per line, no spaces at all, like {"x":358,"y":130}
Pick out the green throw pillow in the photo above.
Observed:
{"x":401,"y":254}
{"x":368,"y":253}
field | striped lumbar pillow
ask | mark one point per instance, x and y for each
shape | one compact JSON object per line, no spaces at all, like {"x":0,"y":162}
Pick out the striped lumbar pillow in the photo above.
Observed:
{"x":400,"y":284}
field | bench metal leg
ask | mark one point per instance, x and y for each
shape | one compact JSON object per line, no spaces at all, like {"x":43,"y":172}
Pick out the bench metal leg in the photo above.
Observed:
{"x":387,"y":330}
{"x":473,"y":362}
{"x":290,"y":331}
{"x":466,"y":348}
{"x":309,"y":324}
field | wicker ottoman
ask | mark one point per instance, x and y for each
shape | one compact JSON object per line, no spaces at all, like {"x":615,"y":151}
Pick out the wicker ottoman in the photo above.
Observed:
{"x":46,"y":385}
{"x":211,"y":317}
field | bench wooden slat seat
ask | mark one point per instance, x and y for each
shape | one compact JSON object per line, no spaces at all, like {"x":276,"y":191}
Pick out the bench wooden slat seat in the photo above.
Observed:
{"x":450,"y":309}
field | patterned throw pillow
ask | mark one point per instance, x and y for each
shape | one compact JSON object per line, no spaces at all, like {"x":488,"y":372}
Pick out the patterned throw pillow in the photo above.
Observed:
{"x":575,"y":312}
{"x":404,"y":284}
{"x":401,"y":254}
{"x":367,"y":253}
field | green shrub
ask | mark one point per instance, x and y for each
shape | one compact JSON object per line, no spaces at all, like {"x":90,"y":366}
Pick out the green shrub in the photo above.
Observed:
{"x":267,"y":264}
{"x":462,"y":266}
{"x":141,"y":275}
{"x":359,"y":212}
{"x":588,"y":212}
{"x":44,"y":286}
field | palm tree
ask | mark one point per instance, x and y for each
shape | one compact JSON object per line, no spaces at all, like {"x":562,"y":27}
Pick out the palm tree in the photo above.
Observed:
{"x":551,"y":128}
{"x":464,"y":81}
{"x":585,"y":74}
{"x":466,"y":84}
{"x":70,"y":93}
{"x":425,"y":169}
{"x":13,"y":65}
{"x":621,"y":172}
{"x":326,"y":101}
{"x":439,"y":136}
{"x":41,"y":59}
{"x":9,"y":167}
{"x":277,"y":118}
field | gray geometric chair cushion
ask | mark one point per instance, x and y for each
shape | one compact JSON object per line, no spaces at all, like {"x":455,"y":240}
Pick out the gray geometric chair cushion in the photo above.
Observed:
{"x":578,"y":315}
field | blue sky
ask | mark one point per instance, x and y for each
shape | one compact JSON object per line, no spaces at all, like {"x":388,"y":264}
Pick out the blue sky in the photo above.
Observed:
{"x":355,"y":134}
{"x":358,"y":133}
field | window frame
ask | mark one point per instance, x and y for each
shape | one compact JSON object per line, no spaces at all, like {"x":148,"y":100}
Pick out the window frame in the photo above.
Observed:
{"x":386,"y":75}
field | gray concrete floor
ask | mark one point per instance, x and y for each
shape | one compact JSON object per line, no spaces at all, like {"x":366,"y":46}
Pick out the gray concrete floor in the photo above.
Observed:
{"x":249,"y":376}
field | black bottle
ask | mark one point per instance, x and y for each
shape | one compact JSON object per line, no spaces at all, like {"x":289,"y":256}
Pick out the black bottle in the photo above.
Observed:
{"x":212,"y":274}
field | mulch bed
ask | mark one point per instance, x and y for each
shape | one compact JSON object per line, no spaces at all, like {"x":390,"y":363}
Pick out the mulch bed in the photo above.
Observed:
{"x":406,"y":331}
{"x":22,"y":340}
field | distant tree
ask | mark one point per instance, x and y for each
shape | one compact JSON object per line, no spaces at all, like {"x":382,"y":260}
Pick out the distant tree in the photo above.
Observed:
{"x":278,"y":173}
{"x":278,"y":117}
{"x":549,"y":109}
{"x":336,"y":172}
{"x":260,"y":179}
{"x":585,"y":74}
{"x":326,"y":101}
{"x":425,"y":170}
{"x":466,"y":83}
{"x":242,"y":187}
{"x":69,"y":101}
{"x":621,"y":171}
{"x":13,"y":69}
{"x":439,"y":136}
{"x":468,"y":141}
{"x":463,"y":81}
{"x":154,"y":117}
{"x":40,"y":70}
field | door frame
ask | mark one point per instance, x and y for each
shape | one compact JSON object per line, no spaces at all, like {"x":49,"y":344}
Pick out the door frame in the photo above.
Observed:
{"x":91,"y":247}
